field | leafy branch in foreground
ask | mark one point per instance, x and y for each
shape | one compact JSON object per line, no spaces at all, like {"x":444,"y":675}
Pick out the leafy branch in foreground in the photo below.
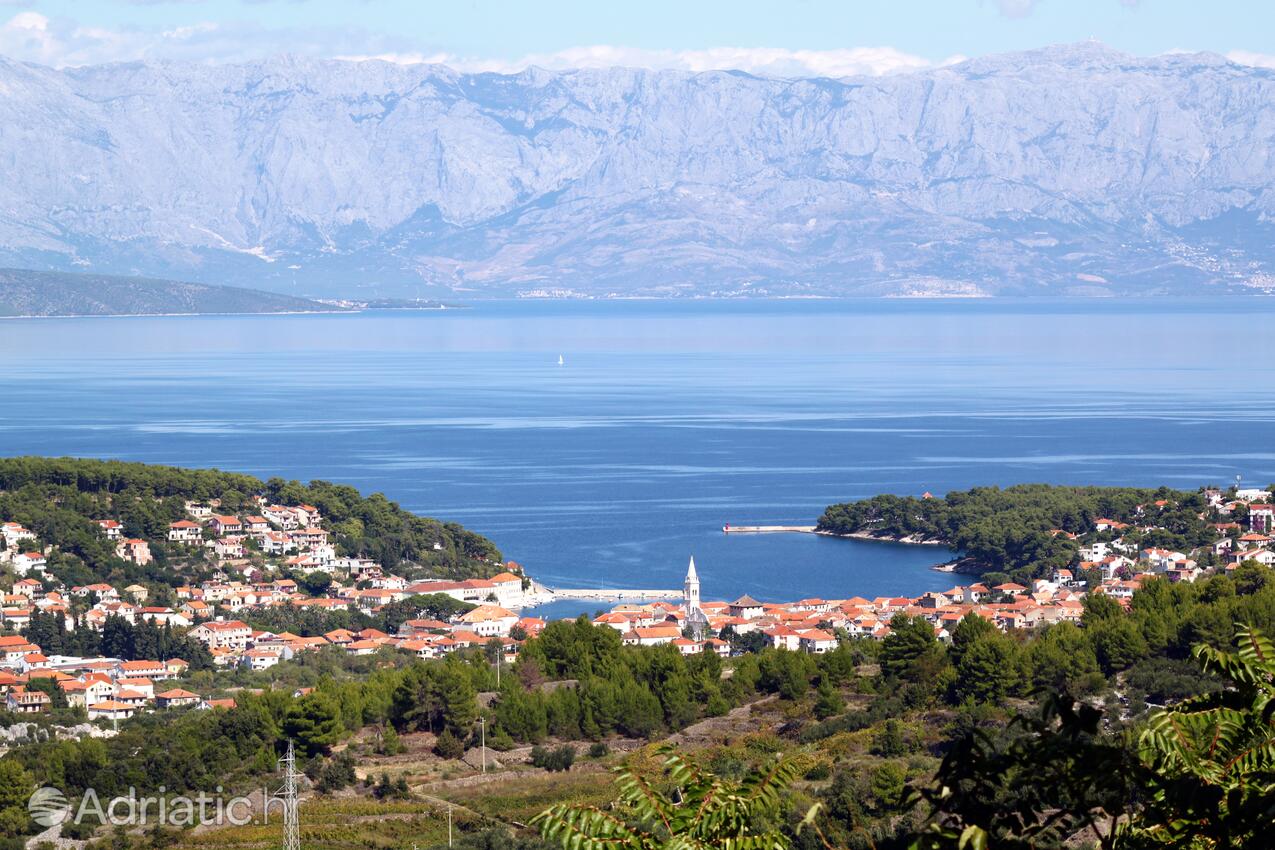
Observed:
{"x":1202,"y":776}
{"x":690,"y":809}
{"x":1214,"y":756}
{"x":1034,"y":784}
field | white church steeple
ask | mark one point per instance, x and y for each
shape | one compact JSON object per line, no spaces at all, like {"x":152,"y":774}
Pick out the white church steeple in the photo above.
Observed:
{"x":690,"y":588}
{"x":696,"y":620}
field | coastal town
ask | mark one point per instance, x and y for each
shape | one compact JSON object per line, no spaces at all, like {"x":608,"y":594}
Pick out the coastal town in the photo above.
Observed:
{"x":288,"y":540}
{"x":1109,"y":566}
{"x":291,"y":546}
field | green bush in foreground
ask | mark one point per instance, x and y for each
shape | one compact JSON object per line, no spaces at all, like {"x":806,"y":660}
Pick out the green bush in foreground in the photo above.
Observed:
{"x":553,"y":760}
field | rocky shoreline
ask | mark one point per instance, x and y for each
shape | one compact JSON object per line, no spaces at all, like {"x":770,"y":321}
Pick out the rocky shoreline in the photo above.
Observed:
{"x":952,"y":566}
{"x":907,"y":540}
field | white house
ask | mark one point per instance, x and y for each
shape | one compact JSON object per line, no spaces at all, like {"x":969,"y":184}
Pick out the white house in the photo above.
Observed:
{"x":13,"y":534}
{"x":198,"y":510}
{"x":1095,"y":551}
{"x":1261,"y":518}
{"x":141,"y":670}
{"x":261,"y":658}
{"x":184,"y":531}
{"x":652,"y":635}
{"x":310,"y":538}
{"x":782,"y":637}
{"x":176,"y":698}
{"x":22,"y":701}
{"x":507,"y":588}
{"x":223,"y":634}
{"x":817,"y":641}
{"x":110,"y":709}
{"x":1160,"y":560}
{"x":225,"y":525}
{"x":489,"y":620}
{"x":140,"y":686}
{"x":746,"y":607}
{"x":29,"y":562}
{"x":276,"y":543}
{"x":160,"y":616}
{"x":1262,"y":556}
{"x":256,"y":525}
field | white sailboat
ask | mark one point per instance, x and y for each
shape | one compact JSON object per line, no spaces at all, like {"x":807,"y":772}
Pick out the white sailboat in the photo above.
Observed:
{"x":560,"y":360}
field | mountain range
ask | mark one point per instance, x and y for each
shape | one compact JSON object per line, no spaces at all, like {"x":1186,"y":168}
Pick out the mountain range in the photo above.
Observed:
{"x":1072,"y":169}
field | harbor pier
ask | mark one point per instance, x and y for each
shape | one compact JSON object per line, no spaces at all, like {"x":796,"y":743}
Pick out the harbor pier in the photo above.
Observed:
{"x":768,"y":529}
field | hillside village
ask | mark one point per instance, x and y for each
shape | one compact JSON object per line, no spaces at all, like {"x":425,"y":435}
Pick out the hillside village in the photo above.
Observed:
{"x":288,"y":540}
{"x":291,"y":540}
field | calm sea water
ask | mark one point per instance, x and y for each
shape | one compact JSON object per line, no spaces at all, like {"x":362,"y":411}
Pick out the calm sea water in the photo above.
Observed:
{"x":668,"y":420}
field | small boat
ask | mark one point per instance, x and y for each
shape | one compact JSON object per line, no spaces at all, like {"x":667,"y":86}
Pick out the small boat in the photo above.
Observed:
{"x":560,"y":360}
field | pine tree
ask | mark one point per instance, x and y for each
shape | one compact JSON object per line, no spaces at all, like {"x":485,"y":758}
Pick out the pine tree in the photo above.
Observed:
{"x":117,"y":638}
{"x":312,"y":723}
{"x":1118,"y":644}
{"x":827,"y":700}
{"x":459,"y":700}
{"x":988,"y":670}
{"x":969,"y":629}
{"x":910,"y":639}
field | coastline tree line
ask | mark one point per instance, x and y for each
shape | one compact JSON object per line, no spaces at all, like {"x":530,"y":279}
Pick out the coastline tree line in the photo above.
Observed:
{"x":60,"y":498}
{"x":1008,"y":532}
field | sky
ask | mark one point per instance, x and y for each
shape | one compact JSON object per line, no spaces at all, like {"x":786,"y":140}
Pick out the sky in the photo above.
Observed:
{"x":779,"y":37}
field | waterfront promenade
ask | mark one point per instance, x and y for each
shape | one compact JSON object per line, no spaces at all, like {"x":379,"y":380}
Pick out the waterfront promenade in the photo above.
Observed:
{"x":618,"y":594}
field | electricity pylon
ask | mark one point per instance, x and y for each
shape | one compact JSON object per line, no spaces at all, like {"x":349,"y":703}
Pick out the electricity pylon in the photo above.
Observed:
{"x":291,"y":822}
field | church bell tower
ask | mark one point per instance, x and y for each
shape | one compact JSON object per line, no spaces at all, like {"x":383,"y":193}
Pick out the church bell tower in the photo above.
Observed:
{"x":696,"y":620}
{"x":690,"y":588}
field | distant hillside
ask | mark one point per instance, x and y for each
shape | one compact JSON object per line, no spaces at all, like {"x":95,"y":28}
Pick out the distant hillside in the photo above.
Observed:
{"x":1073,"y":170}
{"x":31,"y":293}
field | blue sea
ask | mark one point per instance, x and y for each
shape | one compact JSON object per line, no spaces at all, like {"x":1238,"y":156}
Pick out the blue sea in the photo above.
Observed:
{"x":667,"y":420}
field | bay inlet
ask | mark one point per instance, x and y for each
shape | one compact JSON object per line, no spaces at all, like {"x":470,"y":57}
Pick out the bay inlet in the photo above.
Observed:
{"x":667,"y":420}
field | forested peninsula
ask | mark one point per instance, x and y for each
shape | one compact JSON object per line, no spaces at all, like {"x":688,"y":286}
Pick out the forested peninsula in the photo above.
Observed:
{"x":65,"y":501}
{"x":26,"y":293}
{"x":1027,"y":531}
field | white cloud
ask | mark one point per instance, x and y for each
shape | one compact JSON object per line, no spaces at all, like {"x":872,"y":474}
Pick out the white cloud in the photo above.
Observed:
{"x":61,"y":42}
{"x":765,"y":61}
{"x":26,"y":35}
{"x":34,"y":37}
{"x":1248,"y":57}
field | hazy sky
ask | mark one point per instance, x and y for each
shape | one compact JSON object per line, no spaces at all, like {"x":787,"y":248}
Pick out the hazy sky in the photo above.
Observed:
{"x":769,"y":36}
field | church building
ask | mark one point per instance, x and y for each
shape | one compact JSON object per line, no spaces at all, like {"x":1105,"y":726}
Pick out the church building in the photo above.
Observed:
{"x":696,"y":620}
